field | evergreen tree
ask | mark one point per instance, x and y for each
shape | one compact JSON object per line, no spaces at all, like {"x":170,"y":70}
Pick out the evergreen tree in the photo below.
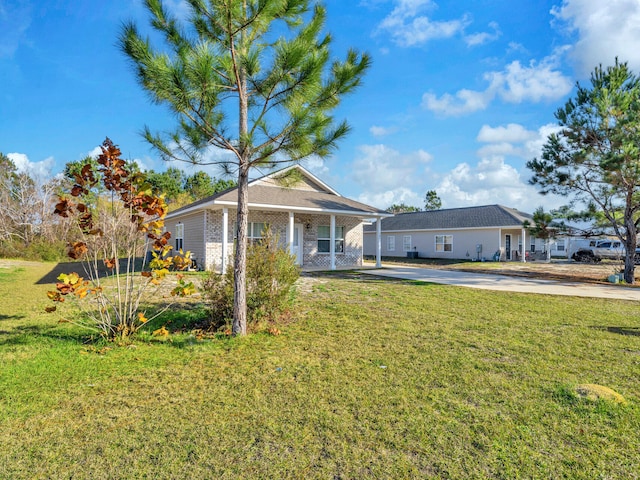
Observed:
{"x":402,"y":208}
{"x":202,"y":185}
{"x":595,"y":157}
{"x":432,"y":201}
{"x":545,"y":226}
{"x":170,"y":183}
{"x":252,"y":78}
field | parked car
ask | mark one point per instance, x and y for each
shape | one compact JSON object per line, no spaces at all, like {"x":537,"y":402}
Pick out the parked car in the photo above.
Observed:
{"x":596,"y":250}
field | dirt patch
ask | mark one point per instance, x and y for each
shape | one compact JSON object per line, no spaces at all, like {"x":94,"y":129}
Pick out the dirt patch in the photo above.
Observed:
{"x":305,"y":283}
{"x":10,"y":263}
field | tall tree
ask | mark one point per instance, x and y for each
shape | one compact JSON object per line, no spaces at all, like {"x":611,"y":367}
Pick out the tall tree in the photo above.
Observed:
{"x":595,"y":156}
{"x":432,"y":201}
{"x":402,"y":208}
{"x":26,"y":216}
{"x":170,"y":182}
{"x":202,"y":185}
{"x":252,"y":78}
{"x":545,"y":226}
{"x":8,"y":182}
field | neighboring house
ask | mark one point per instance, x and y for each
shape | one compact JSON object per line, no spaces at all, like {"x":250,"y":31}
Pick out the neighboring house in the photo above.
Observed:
{"x":321,"y":227}
{"x":487,"y":232}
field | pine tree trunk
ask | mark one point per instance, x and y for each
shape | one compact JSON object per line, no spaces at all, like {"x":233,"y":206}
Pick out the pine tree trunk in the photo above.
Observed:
{"x":240,"y":263}
{"x":630,"y":250}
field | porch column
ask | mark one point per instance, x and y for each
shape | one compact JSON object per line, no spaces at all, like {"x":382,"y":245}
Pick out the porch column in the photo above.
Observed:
{"x":225,"y":235}
{"x":524,"y":245}
{"x":332,"y":242}
{"x":379,"y":242}
{"x":290,"y":231}
{"x":500,"y":244}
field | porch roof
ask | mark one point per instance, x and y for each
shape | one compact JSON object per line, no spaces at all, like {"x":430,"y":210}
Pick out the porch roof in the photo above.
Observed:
{"x":263,"y":197}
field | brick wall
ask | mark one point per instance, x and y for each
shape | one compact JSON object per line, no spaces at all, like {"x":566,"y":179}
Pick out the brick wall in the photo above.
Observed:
{"x":279,"y":222}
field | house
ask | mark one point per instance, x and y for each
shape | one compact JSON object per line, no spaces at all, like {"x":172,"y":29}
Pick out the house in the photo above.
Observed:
{"x":486,"y":232}
{"x":321,"y":227}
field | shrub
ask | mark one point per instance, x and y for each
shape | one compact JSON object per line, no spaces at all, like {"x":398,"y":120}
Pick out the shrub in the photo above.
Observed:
{"x":118,"y":218}
{"x":271,"y":275}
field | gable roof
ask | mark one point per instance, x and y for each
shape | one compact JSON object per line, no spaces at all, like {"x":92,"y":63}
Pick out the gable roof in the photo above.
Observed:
{"x":455,"y":218}
{"x":266,"y":193}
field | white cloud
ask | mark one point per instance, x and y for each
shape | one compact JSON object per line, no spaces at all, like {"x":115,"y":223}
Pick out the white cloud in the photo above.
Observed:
{"x":144,"y":165}
{"x":605,"y":29}
{"x":503,"y":149}
{"x":15,"y":19}
{"x":39,"y":171}
{"x":514,"y":140}
{"x":396,"y":196}
{"x":490,"y":181}
{"x":388,"y":176}
{"x":408,"y":25}
{"x":494,"y":179}
{"x":533,"y":147}
{"x":377,"y":131}
{"x":465,"y":101}
{"x":483,"y":37}
{"x":540,"y":81}
{"x":95,"y":152}
{"x":515,"y":47}
{"x":379,"y":168}
{"x":508,"y":133}
{"x":316,"y":165}
{"x":537,"y":82}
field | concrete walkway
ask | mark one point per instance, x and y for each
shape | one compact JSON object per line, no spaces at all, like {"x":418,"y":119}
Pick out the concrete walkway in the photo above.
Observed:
{"x":508,"y":283}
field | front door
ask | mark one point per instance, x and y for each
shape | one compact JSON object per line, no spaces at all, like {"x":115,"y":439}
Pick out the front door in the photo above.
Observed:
{"x":507,"y":245}
{"x":297,"y":248}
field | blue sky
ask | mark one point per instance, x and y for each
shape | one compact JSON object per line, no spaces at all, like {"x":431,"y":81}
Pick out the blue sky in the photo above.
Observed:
{"x":460,"y":94}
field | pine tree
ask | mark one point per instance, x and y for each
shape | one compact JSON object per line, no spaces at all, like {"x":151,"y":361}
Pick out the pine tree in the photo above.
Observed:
{"x":251,"y":78}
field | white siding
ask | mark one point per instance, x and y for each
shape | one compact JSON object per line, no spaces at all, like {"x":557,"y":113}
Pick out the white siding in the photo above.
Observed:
{"x":193,"y":234}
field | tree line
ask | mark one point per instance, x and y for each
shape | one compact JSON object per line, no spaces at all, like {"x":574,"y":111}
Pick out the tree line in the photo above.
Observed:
{"x":28,"y":227}
{"x":431,"y":202}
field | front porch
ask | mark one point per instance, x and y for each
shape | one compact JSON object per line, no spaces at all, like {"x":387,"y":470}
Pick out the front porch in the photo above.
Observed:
{"x":512,"y":245}
{"x":318,"y":241}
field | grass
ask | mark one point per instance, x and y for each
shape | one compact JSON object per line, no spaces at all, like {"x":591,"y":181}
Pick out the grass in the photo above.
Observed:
{"x":375,"y":379}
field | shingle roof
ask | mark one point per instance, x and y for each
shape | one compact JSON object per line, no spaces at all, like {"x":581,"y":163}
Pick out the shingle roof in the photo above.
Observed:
{"x":451,"y":218}
{"x":263,"y":195}
{"x":282,"y":198}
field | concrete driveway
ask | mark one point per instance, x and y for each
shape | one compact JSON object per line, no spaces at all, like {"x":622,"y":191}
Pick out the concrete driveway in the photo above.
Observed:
{"x":508,"y":283}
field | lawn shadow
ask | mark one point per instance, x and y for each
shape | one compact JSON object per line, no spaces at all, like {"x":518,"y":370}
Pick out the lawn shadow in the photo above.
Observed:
{"x":22,"y":334}
{"x":11,"y":317}
{"x":78,"y":267}
{"x":364,"y":278}
{"x":176,"y":317}
{"x":627,"y":331}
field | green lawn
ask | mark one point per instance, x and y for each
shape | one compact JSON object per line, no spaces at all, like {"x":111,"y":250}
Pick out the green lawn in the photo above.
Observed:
{"x":373,"y":379}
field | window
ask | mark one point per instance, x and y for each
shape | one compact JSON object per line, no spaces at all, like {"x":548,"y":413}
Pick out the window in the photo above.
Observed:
{"x":255,"y":231}
{"x":406,"y":243}
{"x":560,"y":245}
{"x":391,"y":243}
{"x":324,"y":239}
{"x":179,"y":237}
{"x":444,"y":243}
